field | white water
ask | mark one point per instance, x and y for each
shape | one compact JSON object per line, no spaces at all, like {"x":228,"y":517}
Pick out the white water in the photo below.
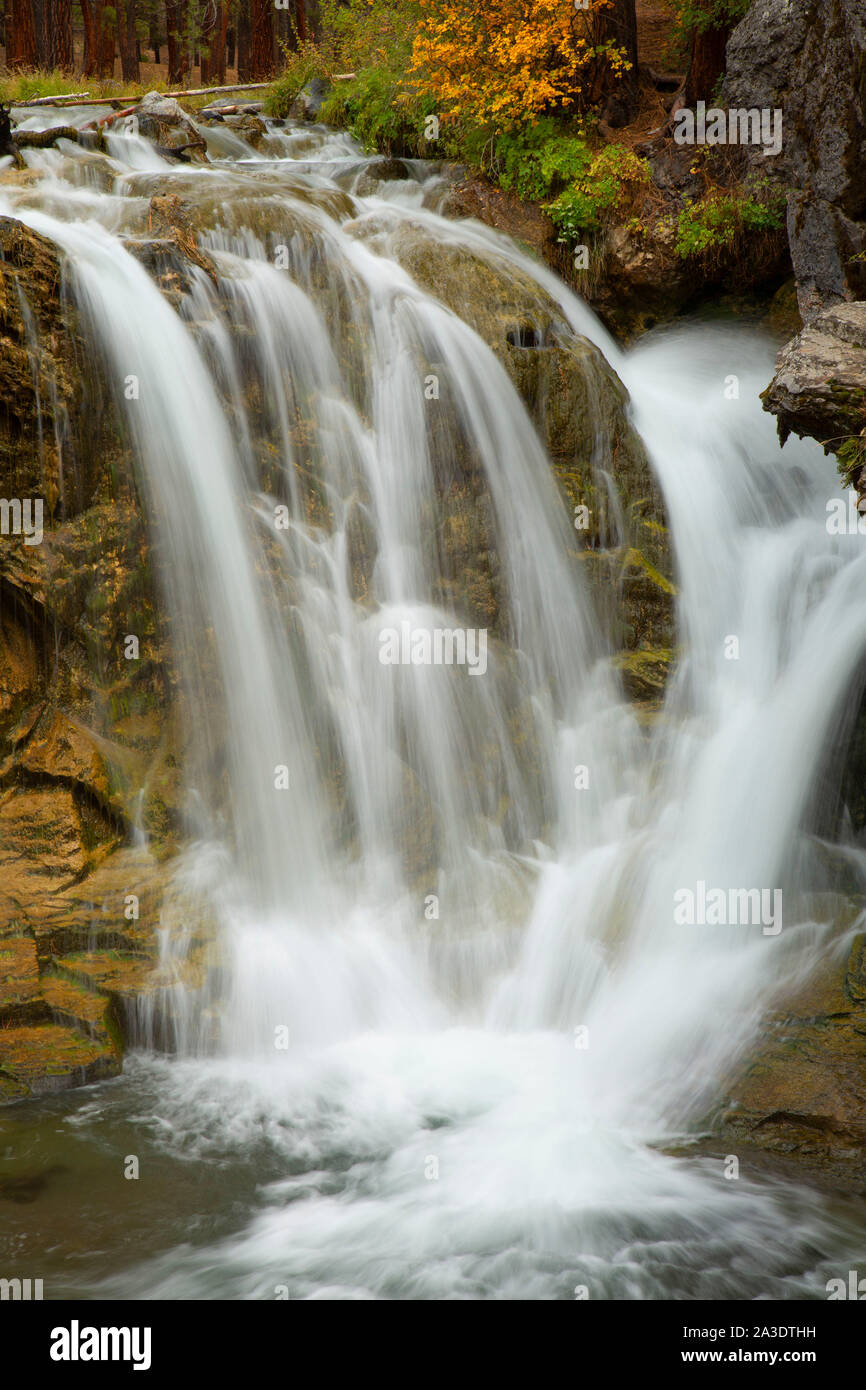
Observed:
{"x":439,"y":1132}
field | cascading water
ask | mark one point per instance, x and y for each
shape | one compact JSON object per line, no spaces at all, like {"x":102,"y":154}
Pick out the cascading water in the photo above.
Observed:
{"x":432,"y":1129}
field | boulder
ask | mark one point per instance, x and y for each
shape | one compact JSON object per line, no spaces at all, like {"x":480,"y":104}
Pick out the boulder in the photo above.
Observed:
{"x":799,"y":1092}
{"x":307,"y":105}
{"x":819,"y":386}
{"x":163,"y":120}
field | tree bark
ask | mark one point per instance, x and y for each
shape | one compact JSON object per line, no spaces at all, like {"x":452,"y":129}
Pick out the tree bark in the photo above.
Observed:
{"x":244,"y":43}
{"x":209,"y":34}
{"x":262,"y":26}
{"x":219,"y":73}
{"x":707,"y":60}
{"x":58,"y":27}
{"x":285,"y":30}
{"x":301,"y":18}
{"x":91,"y":40}
{"x":127,"y":38}
{"x":107,"y":42}
{"x":154,"y":38}
{"x":175,"y":18}
{"x":39,"y":25}
{"x":21,"y":51}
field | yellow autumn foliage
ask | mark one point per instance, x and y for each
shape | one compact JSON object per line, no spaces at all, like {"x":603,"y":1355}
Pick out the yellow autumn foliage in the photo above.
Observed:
{"x":508,"y":60}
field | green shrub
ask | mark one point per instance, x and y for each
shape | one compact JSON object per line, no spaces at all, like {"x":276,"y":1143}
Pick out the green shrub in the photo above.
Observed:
{"x":539,"y":159}
{"x":851,"y":458}
{"x":613,"y":179}
{"x":378,"y":111}
{"x":724,"y":219}
{"x":302,"y":65}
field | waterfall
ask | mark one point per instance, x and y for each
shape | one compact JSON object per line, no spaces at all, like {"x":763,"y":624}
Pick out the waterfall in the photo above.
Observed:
{"x":494,"y":1018}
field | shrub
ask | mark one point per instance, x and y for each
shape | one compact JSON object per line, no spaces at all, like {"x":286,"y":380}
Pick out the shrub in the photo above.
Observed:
{"x":721,"y":220}
{"x":505,"y":61}
{"x":540,"y":159}
{"x":615,"y":177}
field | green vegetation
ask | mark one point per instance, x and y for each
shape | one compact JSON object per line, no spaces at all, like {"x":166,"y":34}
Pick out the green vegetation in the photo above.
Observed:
{"x":613,"y":181}
{"x":540,"y":159}
{"x":851,"y":458}
{"x":20,"y":86}
{"x":722,"y":219}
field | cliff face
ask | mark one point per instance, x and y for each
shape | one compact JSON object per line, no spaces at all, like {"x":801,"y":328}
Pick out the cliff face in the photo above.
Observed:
{"x":86,"y":747}
{"x":809,"y":61}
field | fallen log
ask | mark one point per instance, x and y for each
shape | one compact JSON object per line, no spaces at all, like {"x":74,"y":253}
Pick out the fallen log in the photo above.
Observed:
{"x":109,"y":120}
{"x":82,"y":99}
{"x":50,"y":101}
{"x":44,"y":139}
{"x":135,"y":97}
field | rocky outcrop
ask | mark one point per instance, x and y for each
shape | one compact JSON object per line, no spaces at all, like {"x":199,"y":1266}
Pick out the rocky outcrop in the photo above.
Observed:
{"x":799,"y":1094}
{"x":819,"y":387}
{"x":87,"y":737}
{"x":807,"y":60}
{"x":636,"y":277}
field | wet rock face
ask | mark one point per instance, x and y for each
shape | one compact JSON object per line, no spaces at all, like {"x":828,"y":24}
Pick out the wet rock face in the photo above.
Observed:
{"x":82,"y":729}
{"x":799,"y":1094}
{"x":819,"y":387}
{"x":580,"y":410}
{"x":807,"y":60}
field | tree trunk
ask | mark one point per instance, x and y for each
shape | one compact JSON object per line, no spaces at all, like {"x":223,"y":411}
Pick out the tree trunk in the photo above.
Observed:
{"x":91,"y":42}
{"x":107,"y":41}
{"x":153,"y":35}
{"x":219,"y":72}
{"x":209,"y":33}
{"x":175,"y":19}
{"x":126,"y":34}
{"x":262,"y":26}
{"x":21,"y":51}
{"x":58,"y":35}
{"x":244,"y":43}
{"x":285,"y":30}
{"x":41,"y":32}
{"x":231,"y":44}
{"x":619,"y":25}
{"x":707,"y":60}
{"x":301,"y":17}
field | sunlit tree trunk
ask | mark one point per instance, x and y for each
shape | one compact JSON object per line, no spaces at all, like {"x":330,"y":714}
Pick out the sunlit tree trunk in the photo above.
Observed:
{"x":222,"y":37}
